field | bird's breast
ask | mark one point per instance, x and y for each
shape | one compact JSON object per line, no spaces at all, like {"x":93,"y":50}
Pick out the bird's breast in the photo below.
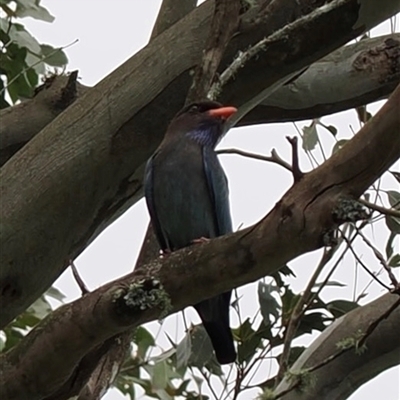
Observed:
{"x":181,"y":195}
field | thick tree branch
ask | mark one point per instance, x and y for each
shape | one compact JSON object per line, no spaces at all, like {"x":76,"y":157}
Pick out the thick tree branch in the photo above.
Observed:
{"x":299,"y":223}
{"x":171,"y":11}
{"x":23,"y":121}
{"x":350,"y":77}
{"x":96,"y":381}
{"x":85,"y":168}
{"x":343,"y":375}
{"x":223,"y":25}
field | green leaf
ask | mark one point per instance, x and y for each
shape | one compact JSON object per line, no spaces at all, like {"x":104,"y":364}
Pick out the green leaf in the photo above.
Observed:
{"x":143,"y":339}
{"x":311,"y":321}
{"x":332,"y":129}
{"x":36,"y":63}
{"x":289,"y":300}
{"x":341,"y":307}
{"x":339,"y":145}
{"x":363,"y":115}
{"x":389,"y":247}
{"x":201,"y":350}
{"x":55,"y":294}
{"x":31,"y":8}
{"x":248,"y":340}
{"x":394,"y":199}
{"x":268,"y":304}
{"x":295,"y":353}
{"x":23,"y":38}
{"x":159,"y":377}
{"x":32,"y":77}
{"x":394,"y":261}
{"x":393,"y":224}
{"x":310,"y":136}
{"x":282,"y":272}
{"x":40,"y":308}
{"x":54,"y":57}
{"x":183,"y":351}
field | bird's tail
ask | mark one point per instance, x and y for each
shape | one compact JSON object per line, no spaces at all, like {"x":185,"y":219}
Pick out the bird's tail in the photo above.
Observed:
{"x":214,"y":314}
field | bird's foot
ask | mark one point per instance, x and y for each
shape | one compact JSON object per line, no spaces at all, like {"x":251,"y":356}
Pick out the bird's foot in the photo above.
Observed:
{"x":165,"y":253}
{"x":201,"y":240}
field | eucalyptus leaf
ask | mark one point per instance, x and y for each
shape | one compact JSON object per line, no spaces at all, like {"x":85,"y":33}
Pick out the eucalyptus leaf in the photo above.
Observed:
{"x":393,"y":224}
{"x":394,"y":261}
{"x":183,"y":351}
{"x":54,"y":57}
{"x":310,"y":136}
{"x":268,"y":304}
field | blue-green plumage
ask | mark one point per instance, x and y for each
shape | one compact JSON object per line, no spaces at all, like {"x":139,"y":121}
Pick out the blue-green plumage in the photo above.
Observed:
{"x":187,"y":197}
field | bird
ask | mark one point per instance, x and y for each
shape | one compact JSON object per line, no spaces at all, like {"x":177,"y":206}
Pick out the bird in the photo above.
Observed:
{"x":187,"y":196}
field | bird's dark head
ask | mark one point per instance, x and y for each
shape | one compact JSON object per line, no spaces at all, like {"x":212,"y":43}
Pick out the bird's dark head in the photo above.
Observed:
{"x":203,"y":121}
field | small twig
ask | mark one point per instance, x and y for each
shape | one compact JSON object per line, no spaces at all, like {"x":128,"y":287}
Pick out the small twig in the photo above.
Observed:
{"x":299,"y":310}
{"x":41,"y":59}
{"x":297,"y":174}
{"x":79,"y":281}
{"x":382,"y":260}
{"x":364,"y":266}
{"x":274,"y":157}
{"x":359,"y":344}
{"x":386,"y":211}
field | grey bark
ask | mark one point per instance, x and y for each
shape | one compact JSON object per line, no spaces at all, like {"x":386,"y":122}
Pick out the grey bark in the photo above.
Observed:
{"x":350,"y":77}
{"x":339,"y":378}
{"x":85,"y":168}
{"x":297,"y":224}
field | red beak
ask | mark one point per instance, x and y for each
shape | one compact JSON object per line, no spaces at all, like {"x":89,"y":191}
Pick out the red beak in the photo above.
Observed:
{"x":223,"y":112}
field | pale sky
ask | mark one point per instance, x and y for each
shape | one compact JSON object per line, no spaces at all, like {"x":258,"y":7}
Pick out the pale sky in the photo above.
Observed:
{"x":108,"y":34}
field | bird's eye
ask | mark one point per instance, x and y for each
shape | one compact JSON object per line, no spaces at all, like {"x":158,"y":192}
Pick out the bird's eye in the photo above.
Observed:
{"x":194,"y":108}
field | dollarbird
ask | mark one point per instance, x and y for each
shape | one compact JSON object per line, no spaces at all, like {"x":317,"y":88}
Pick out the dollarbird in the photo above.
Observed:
{"x":186,"y":193}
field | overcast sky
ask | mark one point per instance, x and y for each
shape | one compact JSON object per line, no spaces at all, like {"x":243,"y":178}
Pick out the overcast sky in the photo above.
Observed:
{"x":108,"y":33}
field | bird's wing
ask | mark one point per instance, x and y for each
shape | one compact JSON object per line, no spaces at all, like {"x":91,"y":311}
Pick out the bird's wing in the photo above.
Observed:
{"x":219,"y":192}
{"x":149,"y":194}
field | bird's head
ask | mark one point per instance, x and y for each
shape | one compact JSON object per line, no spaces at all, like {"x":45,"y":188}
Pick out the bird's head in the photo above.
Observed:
{"x":203,"y":121}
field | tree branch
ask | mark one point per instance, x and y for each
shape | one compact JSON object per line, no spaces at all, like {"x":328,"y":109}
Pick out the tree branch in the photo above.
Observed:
{"x":22,"y":122}
{"x":298,"y":224}
{"x":340,"y":376}
{"x":171,"y":11}
{"x":96,"y":150}
{"x":224,"y":23}
{"x":350,"y":77}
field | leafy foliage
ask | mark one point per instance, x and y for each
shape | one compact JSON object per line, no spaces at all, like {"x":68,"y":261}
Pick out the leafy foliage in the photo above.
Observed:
{"x":23,"y":60}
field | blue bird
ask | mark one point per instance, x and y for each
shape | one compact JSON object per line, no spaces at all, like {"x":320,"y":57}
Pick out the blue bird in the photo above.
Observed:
{"x":187,"y":196}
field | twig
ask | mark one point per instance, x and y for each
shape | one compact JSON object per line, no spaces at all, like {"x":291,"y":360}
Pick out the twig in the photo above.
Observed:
{"x":41,"y":59}
{"x":297,"y":174}
{"x":79,"y":281}
{"x":386,"y":211}
{"x":358,"y":344}
{"x":299,"y":310}
{"x":274,"y":157}
{"x":365,"y":267}
{"x":382,"y":260}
